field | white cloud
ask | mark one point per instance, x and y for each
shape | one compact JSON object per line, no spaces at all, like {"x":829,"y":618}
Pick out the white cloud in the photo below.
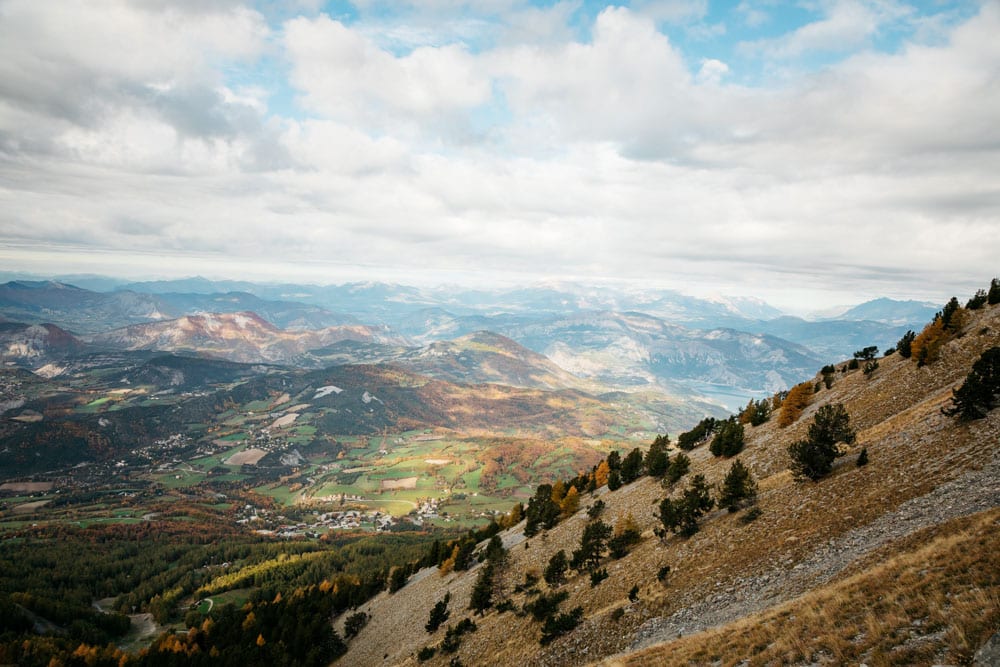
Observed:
{"x":608,"y":156}
{"x":344,"y":75}
{"x":846,"y":26}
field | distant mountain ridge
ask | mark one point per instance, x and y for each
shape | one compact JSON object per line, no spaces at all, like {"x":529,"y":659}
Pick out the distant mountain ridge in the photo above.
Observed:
{"x":243,"y":337}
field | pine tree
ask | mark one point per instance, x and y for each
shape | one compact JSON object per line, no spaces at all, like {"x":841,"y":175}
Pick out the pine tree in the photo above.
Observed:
{"x":631,"y":468}
{"x":903,"y":346}
{"x":593,"y":543}
{"x":813,"y":457}
{"x":657,"y":458}
{"x":481,"y":598}
{"x":738,"y":488}
{"x":993,"y":296}
{"x":681,"y":516}
{"x":555,"y":571}
{"x":980,"y":392}
{"x":439,"y":614}
{"x":729,"y":439}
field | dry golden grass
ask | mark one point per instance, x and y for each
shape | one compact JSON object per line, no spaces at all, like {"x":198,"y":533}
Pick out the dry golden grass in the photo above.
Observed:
{"x":943,"y":578}
{"x":933,"y":604}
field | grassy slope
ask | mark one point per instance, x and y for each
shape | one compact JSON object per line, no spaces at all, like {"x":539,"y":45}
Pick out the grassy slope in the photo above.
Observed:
{"x":729,"y":571}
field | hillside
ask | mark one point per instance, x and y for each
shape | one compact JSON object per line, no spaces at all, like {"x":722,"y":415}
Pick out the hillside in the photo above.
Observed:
{"x":243,"y":337}
{"x":895,"y":562}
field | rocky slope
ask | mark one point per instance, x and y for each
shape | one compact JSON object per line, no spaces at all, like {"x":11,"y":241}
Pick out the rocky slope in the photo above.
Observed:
{"x":891,"y":563}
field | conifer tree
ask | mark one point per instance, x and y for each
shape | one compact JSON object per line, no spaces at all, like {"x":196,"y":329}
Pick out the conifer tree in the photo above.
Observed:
{"x":481,"y":598}
{"x":439,"y":614}
{"x":980,"y":392}
{"x":657,"y":459}
{"x":555,"y":571}
{"x":738,"y":488}
{"x":993,"y":296}
{"x":813,"y":457}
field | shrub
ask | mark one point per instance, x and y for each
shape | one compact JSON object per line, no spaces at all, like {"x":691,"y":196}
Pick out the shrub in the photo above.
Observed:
{"x":617,"y":614}
{"x":980,"y":392}
{"x":595,"y":510}
{"x":545,"y":605}
{"x":633,"y":594}
{"x":870,"y":367}
{"x":354,"y":623}
{"x":862,"y":457}
{"x":993,"y":296}
{"x":426,"y":653}
{"x":751,"y":515}
{"x":663,"y":573}
{"x":556,"y":626}
{"x":597,"y":576}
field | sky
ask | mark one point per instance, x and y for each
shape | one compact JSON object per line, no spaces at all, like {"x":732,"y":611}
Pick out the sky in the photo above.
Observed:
{"x":811,"y":153}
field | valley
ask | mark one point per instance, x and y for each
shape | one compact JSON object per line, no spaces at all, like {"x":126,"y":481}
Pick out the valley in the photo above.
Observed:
{"x":333,"y":465}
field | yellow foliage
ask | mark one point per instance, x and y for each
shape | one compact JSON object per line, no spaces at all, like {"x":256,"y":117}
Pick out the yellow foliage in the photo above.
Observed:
{"x":449,"y":564}
{"x":558,"y":491}
{"x":927,"y":345}
{"x":601,"y":474}
{"x":325,"y":586}
{"x":626,"y":522}
{"x":793,"y":405}
{"x":571,"y":503}
{"x":249,"y":621}
{"x":260,"y":640}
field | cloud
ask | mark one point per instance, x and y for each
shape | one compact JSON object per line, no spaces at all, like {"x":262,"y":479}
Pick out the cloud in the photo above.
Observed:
{"x":538,"y":150}
{"x":341,"y":74}
{"x":847,"y":25}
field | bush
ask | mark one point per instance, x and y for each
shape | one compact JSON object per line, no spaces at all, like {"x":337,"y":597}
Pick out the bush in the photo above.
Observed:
{"x":633,"y":594}
{"x":663,"y":573}
{"x":354,"y":623}
{"x":595,"y":510}
{"x":862,"y":457}
{"x":426,"y":653}
{"x":980,"y":392}
{"x":597,"y":576}
{"x":866,"y":354}
{"x":870,"y":367}
{"x":556,"y":626}
{"x":993,"y":296}
{"x":545,"y":606}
